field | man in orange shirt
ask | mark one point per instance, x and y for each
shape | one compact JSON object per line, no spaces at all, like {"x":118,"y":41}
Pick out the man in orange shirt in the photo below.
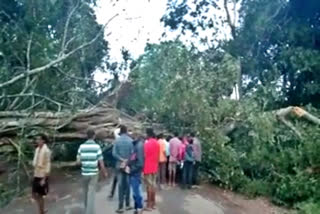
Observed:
{"x":162,"y":159}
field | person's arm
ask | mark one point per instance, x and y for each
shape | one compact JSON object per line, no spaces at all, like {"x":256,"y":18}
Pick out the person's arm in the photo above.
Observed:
{"x":159,"y":150}
{"x":47,"y":167}
{"x":48,"y":163}
{"x":34,"y":162}
{"x":139,"y":160}
{"x":101,"y":163}
{"x":179,"y":153}
{"x":200,"y":150}
{"x":163,"y":149}
{"x":78,"y":159}
{"x":115,"y":153}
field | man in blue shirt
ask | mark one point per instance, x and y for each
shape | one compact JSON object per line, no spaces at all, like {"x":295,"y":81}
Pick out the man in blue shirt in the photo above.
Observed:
{"x":122,"y":152}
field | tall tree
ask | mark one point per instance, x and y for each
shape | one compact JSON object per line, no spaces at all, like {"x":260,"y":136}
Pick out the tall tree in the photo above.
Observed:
{"x":45,"y":61}
{"x":275,"y":41}
{"x":175,"y":84}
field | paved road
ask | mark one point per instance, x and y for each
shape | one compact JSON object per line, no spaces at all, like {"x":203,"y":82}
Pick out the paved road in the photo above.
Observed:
{"x":66,"y":195}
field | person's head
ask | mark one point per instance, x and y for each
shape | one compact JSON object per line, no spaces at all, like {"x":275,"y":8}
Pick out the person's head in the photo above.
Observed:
{"x":160,"y":136}
{"x":150,"y":133}
{"x":169,"y":138}
{"x":91,"y":134}
{"x":176,"y":134}
{"x":192,"y":134}
{"x":123,"y":130}
{"x":190,"y":140}
{"x":42,"y":139}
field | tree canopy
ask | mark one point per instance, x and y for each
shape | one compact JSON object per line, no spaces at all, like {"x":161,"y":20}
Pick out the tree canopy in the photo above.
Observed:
{"x":277,"y":42}
{"x":44,"y":60}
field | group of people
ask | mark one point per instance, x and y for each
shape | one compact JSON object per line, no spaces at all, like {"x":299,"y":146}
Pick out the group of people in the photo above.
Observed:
{"x":152,"y":160}
{"x":155,"y":161}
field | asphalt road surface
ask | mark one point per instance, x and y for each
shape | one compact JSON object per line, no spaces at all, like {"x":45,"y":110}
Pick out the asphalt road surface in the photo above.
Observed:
{"x":66,"y":198}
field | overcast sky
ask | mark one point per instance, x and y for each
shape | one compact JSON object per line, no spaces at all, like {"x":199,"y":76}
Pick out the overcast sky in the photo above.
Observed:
{"x":138,"y":23}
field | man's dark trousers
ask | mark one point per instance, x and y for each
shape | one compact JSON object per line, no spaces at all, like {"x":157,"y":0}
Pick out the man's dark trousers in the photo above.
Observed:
{"x":123,"y":188}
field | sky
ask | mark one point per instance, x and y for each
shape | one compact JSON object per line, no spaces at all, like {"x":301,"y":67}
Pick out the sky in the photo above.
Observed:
{"x":137,"y":24}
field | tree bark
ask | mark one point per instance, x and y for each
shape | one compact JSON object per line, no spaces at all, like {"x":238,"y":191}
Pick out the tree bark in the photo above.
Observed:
{"x":69,"y":126}
{"x":282,"y":116}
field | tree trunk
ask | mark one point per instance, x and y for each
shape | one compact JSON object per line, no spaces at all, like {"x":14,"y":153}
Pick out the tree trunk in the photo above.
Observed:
{"x":68,"y":126}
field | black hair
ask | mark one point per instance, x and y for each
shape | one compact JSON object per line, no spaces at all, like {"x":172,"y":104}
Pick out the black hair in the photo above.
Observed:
{"x":44,"y":137}
{"x":168,"y":138}
{"x":123,"y":129}
{"x":90,"y":133}
{"x":150,"y":132}
{"x":160,"y":136}
{"x":135,"y":142}
{"x":176,"y":134}
{"x":190,"y":140}
{"x":192,"y":134}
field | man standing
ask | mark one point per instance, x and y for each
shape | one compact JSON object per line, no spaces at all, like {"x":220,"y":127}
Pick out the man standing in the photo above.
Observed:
{"x":136,"y":163}
{"x":90,"y":157}
{"x":175,"y":144}
{"x":162,"y":159}
{"x":115,"y":179}
{"x":188,"y":166}
{"x":122,"y":152}
{"x":41,"y":164}
{"x":151,"y":155}
{"x":198,"y":156}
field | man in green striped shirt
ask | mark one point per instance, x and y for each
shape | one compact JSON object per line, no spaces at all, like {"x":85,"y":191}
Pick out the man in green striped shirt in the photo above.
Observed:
{"x":90,"y":157}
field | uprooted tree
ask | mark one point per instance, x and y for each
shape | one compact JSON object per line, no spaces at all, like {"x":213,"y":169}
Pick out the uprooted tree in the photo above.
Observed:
{"x":49,"y":51}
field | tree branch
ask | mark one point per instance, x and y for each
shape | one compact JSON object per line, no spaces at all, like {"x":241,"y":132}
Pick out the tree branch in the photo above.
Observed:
{"x":28,"y":52}
{"x":56,"y":61}
{"x":26,"y":87}
{"x":66,"y":28}
{"x":59,"y":104}
{"x":298,"y":112}
{"x":79,"y":78}
{"x":229,"y":21}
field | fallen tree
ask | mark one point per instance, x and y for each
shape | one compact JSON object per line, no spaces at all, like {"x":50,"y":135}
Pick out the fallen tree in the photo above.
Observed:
{"x":68,"y":125}
{"x":282,"y":115}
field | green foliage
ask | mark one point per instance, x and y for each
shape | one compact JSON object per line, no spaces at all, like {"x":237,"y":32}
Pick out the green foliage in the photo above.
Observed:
{"x":278,"y":45}
{"x":277,"y":42}
{"x":33,"y":34}
{"x":309,"y":208}
{"x":175,"y":84}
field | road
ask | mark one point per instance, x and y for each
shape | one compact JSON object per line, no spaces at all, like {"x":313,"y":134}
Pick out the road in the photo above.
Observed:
{"x":66,"y":198}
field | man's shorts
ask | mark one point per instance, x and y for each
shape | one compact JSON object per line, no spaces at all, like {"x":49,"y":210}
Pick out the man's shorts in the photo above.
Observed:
{"x":151,"y":180}
{"x":39,"y":189}
{"x":172,"y":166}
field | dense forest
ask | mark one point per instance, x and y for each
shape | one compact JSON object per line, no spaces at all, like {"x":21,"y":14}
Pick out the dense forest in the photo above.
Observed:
{"x":253,"y":97}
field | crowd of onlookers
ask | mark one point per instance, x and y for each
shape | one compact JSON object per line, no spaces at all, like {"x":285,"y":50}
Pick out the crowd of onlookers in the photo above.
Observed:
{"x":154,"y":161}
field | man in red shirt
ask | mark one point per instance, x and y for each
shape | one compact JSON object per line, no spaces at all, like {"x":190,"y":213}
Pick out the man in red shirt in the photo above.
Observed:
{"x":151,"y":161}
